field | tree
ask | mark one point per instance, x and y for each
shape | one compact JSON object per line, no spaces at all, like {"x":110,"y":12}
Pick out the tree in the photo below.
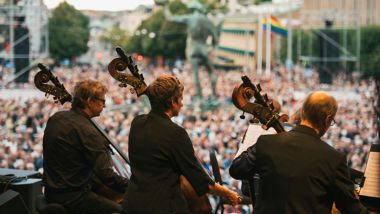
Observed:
{"x":370,"y":61}
{"x":156,"y":36}
{"x":248,"y":2}
{"x":116,"y":37}
{"x":68,"y":32}
{"x":369,"y":53}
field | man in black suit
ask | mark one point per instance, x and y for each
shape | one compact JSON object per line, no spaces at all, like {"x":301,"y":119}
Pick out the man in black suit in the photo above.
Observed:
{"x":299,"y":173}
{"x":160,"y":151}
{"x":76,"y":155}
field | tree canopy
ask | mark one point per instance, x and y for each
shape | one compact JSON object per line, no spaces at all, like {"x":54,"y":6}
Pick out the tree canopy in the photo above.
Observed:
{"x":68,"y":32}
{"x":116,"y":37}
{"x":370,"y":51}
{"x":156,"y":36}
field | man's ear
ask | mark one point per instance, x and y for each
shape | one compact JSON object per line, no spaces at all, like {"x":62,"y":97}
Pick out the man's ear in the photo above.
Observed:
{"x":328,"y":121}
{"x":169,"y":104}
{"x":87,"y":102}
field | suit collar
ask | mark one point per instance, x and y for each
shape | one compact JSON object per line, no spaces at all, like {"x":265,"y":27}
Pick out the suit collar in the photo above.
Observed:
{"x":80,"y":112}
{"x":159,"y":113}
{"x":306,"y":130}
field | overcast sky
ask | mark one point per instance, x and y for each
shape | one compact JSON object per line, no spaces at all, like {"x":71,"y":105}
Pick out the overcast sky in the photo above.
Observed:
{"x":106,"y":5}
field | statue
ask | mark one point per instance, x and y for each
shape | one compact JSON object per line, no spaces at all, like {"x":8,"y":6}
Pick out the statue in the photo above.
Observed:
{"x":199,"y":29}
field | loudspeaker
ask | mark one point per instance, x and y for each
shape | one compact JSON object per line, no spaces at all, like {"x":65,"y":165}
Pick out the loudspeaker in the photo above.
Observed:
{"x":328,"y":51}
{"x":28,"y":189}
{"x":28,"y":185}
{"x":11,"y":202}
{"x":21,"y":51}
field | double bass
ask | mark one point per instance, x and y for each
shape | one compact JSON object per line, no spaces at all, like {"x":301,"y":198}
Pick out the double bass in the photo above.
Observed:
{"x":60,"y":94}
{"x":263,"y":110}
{"x":197,"y":204}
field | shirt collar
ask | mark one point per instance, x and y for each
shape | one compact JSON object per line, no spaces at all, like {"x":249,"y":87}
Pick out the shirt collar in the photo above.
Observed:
{"x":306,"y":130}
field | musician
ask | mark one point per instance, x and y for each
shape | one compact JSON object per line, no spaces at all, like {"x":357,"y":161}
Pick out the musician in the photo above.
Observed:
{"x":160,"y":151}
{"x":300,"y":173}
{"x":75,"y":153}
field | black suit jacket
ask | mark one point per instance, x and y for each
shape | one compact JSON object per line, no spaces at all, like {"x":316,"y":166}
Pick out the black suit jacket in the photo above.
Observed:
{"x":299,"y":173}
{"x":160,"y":151}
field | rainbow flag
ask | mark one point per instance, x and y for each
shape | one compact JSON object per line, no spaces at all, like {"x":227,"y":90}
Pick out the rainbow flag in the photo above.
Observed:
{"x":276,"y":26}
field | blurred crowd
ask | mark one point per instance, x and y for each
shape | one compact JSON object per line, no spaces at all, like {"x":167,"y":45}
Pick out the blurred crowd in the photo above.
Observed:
{"x":23,"y":119}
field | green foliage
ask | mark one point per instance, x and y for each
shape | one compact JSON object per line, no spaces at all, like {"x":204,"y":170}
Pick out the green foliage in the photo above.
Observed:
{"x":68,"y":32}
{"x":306,"y":39}
{"x":116,"y":37}
{"x":169,"y":38}
{"x":307,"y":43}
{"x":212,"y":5}
{"x":173,"y":34}
{"x":370,"y":51}
{"x":248,"y":2}
{"x":146,"y":40}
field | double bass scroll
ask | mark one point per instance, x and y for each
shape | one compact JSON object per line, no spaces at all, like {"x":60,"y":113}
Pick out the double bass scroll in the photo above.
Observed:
{"x":197,"y":204}
{"x":57,"y":90}
{"x":60,"y":94}
{"x":262,"y":108}
{"x":135,"y":79}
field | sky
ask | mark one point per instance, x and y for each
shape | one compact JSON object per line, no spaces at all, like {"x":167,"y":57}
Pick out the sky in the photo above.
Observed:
{"x":105,"y":5}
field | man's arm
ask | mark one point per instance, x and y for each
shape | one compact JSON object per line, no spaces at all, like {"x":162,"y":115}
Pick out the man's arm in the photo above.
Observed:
{"x":184,"y":159}
{"x":243,"y":167}
{"x":102,"y":163}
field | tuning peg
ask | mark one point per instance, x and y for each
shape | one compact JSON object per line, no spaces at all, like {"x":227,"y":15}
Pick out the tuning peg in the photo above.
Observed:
{"x":271,"y":105}
{"x":258,"y":87}
{"x":265,"y":127}
{"x":242,"y":116}
{"x":265,"y":97}
{"x":254,"y":120}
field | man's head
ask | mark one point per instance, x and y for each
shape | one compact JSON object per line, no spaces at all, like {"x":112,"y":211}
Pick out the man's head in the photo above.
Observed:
{"x":165,"y":94}
{"x":319,"y":110}
{"x":89,"y":95}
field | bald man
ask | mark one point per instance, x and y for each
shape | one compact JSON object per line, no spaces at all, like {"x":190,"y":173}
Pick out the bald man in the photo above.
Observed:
{"x":300,"y":173}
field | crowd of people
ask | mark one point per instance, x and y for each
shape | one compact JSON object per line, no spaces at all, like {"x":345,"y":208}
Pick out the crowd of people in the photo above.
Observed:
{"x":23,"y":120}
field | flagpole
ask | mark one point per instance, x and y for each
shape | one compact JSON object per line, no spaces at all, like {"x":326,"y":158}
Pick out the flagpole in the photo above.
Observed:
{"x":260,"y":45}
{"x":268,"y":44}
{"x":289,"y":61}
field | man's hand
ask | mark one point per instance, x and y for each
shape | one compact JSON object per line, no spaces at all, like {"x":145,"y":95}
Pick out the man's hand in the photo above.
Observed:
{"x":232,"y":198}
